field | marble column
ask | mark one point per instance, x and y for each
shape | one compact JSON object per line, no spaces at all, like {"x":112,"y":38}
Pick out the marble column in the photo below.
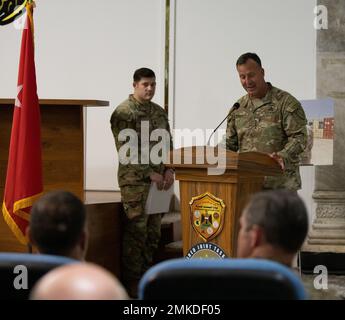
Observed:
{"x":328,"y":229}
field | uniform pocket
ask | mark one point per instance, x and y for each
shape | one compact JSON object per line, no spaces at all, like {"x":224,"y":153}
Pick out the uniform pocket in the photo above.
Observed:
{"x":244,"y":120}
{"x":134,"y":200}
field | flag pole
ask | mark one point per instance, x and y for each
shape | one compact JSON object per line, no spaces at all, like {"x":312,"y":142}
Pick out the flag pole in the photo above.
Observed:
{"x":29,"y":8}
{"x":30,"y":5}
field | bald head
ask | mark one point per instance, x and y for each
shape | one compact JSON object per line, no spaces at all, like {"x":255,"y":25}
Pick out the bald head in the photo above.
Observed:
{"x":78,"y":281}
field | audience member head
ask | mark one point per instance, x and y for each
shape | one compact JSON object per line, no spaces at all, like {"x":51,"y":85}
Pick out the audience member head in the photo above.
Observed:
{"x":78,"y":281}
{"x":273,"y":226}
{"x":58,"y":225}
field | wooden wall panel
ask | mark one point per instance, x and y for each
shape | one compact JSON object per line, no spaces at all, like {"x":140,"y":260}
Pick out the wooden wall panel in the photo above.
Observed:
{"x":62,"y":147}
{"x":105,"y":222}
{"x":62,"y":130}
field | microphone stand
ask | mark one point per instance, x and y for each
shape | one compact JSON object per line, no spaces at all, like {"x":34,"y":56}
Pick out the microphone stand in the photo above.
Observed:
{"x":234,"y":107}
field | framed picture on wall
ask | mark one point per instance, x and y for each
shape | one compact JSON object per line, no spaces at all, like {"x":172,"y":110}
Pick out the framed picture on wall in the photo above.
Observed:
{"x":320,"y":127}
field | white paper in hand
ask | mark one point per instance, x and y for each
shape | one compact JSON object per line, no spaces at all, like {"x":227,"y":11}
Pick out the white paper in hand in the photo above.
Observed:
{"x":158,"y":201}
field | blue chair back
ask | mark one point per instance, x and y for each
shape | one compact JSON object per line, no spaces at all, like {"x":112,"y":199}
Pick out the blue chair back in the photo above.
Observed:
{"x":220,"y":279}
{"x":20,"y":271}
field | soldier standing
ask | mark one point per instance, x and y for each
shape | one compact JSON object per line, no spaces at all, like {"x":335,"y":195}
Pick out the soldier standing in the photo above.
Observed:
{"x":268,"y":120}
{"x":141,"y":231}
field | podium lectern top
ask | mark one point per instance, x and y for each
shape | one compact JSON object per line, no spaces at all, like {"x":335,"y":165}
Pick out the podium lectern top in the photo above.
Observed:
{"x":204,"y":157}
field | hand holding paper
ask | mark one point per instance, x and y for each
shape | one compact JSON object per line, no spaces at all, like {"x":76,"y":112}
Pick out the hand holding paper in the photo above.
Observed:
{"x":168,"y":179}
{"x":158,"y":179}
{"x":158,"y":201}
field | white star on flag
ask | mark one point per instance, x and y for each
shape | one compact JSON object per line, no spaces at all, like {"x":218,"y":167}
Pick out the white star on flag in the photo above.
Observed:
{"x":18,"y":102}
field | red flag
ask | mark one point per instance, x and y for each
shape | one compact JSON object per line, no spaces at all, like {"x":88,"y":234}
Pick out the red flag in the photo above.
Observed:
{"x":24,"y":171}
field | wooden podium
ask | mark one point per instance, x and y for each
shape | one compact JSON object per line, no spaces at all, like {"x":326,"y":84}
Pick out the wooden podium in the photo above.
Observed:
{"x":242,"y":176}
{"x":63,"y":151}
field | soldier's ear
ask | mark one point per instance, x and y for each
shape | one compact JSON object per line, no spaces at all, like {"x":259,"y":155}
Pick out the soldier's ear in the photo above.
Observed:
{"x":263,"y":71}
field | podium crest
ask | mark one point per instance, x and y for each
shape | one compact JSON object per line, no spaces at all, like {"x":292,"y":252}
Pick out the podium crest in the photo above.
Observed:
{"x":207,"y":215}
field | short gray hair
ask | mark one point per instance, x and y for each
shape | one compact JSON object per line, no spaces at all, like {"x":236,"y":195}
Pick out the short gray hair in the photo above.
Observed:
{"x":283,"y":217}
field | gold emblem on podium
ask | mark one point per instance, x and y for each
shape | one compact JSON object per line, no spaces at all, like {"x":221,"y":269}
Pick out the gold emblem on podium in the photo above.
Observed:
{"x":207,"y":215}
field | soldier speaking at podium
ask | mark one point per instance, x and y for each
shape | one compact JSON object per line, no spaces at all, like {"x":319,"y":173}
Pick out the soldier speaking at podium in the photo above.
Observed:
{"x":268,"y":120}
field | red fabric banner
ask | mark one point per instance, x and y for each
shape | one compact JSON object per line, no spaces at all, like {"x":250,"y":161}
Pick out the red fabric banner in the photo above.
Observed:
{"x":24,"y":171}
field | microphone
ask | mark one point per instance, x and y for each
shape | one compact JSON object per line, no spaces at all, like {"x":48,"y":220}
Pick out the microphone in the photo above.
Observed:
{"x":234,"y":107}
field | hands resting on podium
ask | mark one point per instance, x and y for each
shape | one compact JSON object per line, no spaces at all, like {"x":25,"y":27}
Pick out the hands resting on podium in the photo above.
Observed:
{"x":278,"y":158}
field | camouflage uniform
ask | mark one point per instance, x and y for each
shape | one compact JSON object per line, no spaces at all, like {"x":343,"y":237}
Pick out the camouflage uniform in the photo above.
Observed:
{"x":306,"y":155}
{"x":141,"y":232}
{"x":275,"y":123}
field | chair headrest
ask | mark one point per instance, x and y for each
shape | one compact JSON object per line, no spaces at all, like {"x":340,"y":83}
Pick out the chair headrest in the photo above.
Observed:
{"x":224,"y":278}
{"x":25,"y":269}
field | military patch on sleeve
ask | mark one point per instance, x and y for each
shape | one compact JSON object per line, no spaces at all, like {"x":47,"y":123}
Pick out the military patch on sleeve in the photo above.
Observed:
{"x":296,"y":110}
{"x":300,"y":114}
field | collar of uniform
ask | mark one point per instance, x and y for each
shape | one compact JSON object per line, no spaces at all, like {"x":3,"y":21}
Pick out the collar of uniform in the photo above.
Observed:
{"x":138,"y":104}
{"x":257,"y":103}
